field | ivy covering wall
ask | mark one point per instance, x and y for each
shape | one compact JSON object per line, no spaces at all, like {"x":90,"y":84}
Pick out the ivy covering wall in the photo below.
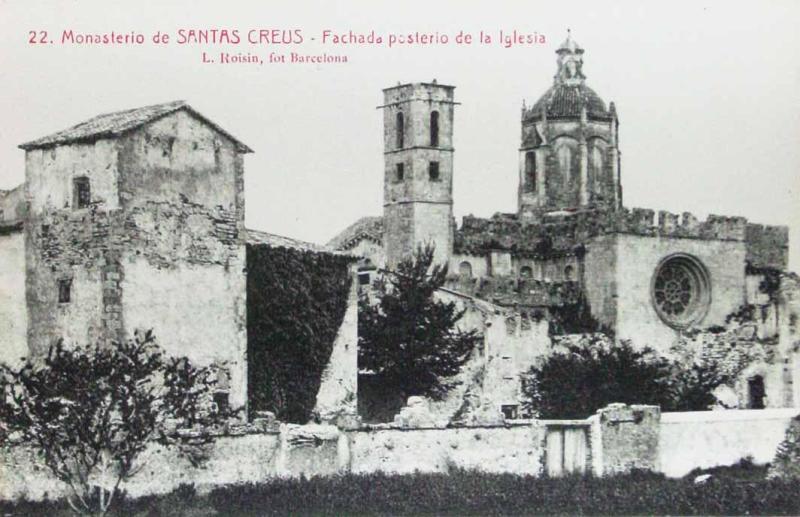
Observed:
{"x":296,"y":301}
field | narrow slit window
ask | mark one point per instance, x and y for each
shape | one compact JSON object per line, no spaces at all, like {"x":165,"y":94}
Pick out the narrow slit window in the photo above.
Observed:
{"x":434,"y":129}
{"x":433,"y":171}
{"x":82,"y":194}
{"x":530,"y":171}
{"x":399,"y":130}
{"x":399,"y":172}
{"x":64,"y":290}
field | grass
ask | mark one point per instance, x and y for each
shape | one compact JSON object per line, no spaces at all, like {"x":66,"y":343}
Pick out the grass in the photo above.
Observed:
{"x":740,"y":489}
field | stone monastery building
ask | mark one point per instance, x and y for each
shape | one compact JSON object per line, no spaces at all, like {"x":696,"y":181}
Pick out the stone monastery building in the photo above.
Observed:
{"x":135,"y":219}
{"x":572,"y":246}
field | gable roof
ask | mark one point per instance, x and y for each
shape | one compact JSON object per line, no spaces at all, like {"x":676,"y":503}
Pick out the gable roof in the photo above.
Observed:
{"x":370,"y":228}
{"x":255,"y":237}
{"x":114,"y":124}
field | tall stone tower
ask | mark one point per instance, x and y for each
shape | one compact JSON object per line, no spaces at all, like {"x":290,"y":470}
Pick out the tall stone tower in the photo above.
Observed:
{"x":418,"y":170}
{"x":569,"y":157}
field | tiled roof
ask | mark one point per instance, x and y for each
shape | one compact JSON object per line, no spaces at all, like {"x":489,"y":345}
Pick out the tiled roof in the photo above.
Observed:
{"x":564,"y":100}
{"x":270,"y":239}
{"x":370,"y":228}
{"x":115,"y":124}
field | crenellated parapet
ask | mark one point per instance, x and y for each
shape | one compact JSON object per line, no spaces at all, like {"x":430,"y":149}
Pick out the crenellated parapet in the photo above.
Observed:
{"x":643,"y":221}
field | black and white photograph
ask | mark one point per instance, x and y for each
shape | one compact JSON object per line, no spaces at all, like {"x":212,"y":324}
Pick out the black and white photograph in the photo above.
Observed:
{"x":399,"y":258}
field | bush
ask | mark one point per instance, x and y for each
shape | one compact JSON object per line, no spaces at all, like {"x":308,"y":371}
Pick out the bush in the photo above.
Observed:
{"x":89,"y":412}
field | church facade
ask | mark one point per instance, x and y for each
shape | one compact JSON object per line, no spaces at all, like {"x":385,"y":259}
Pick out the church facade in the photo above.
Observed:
{"x":573,"y":250}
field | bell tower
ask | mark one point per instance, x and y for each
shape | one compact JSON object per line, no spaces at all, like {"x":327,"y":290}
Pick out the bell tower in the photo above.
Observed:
{"x":418,"y":170}
{"x":569,"y":158}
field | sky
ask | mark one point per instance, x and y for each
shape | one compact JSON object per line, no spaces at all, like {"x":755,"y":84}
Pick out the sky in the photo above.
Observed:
{"x":706,"y":94}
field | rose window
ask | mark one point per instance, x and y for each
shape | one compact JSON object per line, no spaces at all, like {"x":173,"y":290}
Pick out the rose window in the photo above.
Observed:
{"x":680,"y":290}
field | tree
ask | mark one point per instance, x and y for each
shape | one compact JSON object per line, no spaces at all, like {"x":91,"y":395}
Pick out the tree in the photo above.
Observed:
{"x":589,"y":376}
{"x":409,"y":339}
{"x":90,"y":411}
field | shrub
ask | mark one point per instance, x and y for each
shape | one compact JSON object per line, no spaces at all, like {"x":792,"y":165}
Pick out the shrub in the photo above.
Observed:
{"x":89,"y":412}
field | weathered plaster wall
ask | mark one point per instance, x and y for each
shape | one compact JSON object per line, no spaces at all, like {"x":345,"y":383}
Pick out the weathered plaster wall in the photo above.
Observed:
{"x":636,"y":260}
{"x":49,"y":175}
{"x":513,"y":449}
{"x":338,"y":391}
{"x":13,"y":309}
{"x":707,"y":439}
{"x":178,"y":155}
{"x":194,"y":310}
{"x":625,"y":438}
{"x":599,"y":281}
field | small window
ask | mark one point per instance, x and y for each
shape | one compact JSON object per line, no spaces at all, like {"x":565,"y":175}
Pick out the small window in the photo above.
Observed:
{"x":433,"y":171}
{"x":525,"y":272}
{"x":222,"y":401}
{"x":568,"y":273}
{"x":465,"y":270}
{"x":399,"y":172}
{"x":756,"y":392}
{"x":399,"y":130}
{"x":82,"y":195}
{"x":363,"y":278}
{"x":434,"y":129}
{"x":509,"y":411}
{"x":64,"y":290}
{"x":2,"y":215}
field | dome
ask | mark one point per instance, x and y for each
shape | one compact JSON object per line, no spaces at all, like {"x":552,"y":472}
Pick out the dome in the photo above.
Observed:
{"x":565,"y":101}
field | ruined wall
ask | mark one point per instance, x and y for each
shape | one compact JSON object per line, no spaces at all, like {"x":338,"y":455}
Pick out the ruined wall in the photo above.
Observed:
{"x":13,"y":310}
{"x":767,"y":246}
{"x":637,"y":258}
{"x":13,"y":205}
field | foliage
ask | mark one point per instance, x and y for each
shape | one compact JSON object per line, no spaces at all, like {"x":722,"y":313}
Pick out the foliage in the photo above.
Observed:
{"x":472,"y":493}
{"x":575,"y":318}
{"x":89,"y":412}
{"x":408,"y":339}
{"x":786,"y":464}
{"x":586,"y":377}
{"x":296,"y":301}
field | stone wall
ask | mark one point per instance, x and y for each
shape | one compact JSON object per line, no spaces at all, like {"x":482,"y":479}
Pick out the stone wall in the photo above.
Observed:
{"x":13,"y":311}
{"x":622,"y":438}
{"x":705,"y":439}
{"x":13,"y":205}
{"x":637,"y":258}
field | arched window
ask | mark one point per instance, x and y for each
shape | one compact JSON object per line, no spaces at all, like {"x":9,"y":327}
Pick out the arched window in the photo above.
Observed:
{"x":568,"y":273}
{"x":434,"y":129}
{"x":525,"y":272}
{"x":399,"y":129}
{"x":756,"y":392}
{"x":530,"y":171}
{"x":465,"y":270}
{"x":565,"y":163}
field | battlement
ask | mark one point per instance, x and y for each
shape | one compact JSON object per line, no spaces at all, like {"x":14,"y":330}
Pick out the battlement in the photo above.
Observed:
{"x":767,"y":246}
{"x":641,"y":221}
